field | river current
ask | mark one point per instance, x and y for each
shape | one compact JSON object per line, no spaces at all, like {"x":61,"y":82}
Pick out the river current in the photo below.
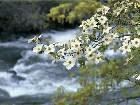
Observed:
{"x":26,"y":77}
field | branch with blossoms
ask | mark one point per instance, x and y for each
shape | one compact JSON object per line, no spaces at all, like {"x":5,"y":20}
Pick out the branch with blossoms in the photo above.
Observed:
{"x":101,"y":30}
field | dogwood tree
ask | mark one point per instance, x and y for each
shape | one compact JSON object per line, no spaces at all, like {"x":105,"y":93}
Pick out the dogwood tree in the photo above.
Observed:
{"x":114,"y":27}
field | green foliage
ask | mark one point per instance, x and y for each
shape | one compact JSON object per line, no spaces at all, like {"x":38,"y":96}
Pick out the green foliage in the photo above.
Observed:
{"x":72,"y":12}
{"x":28,"y":17}
{"x":101,"y":78}
{"x":97,"y":80}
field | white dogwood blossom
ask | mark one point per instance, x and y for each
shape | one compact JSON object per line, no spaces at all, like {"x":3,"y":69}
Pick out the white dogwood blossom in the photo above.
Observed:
{"x":136,"y":42}
{"x":69,"y":62}
{"x":98,"y":33}
{"x":75,"y":45}
{"x":49,"y":49}
{"x":102,"y":19}
{"x":107,"y":39}
{"x":106,"y":30}
{"x":98,"y":57}
{"x":104,"y":10}
{"x":126,"y":48}
{"x":38,"y":48}
{"x":126,"y":39}
{"x":61,"y":52}
{"x":90,"y":56}
{"x":136,"y":76}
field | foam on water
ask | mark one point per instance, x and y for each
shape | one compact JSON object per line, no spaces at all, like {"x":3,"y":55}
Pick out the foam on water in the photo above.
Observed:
{"x":110,"y":53}
{"x":35,"y":84}
{"x":41,"y":76}
{"x":64,"y":36}
{"x":26,"y":88}
{"x":16,"y":44}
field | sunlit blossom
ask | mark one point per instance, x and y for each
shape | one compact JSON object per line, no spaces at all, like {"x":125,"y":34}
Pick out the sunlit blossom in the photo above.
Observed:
{"x":107,"y":40}
{"x":125,"y":48}
{"x":89,"y":49}
{"x":50,"y":48}
{"x":98,"y":57}
{"x":76,"y":45}
{"x":126,"y":38}
{"x":61,"y":52}
{"x":107,"y":30}
{"x":34,"y":39}
{"x":95,"y":32}
{"x":136,"y":76}
{"x":136,"y":42}
{"x":90,"y":56}
{"x":102,"y":20}
{"x":104,"y":10}
{"x":69,"y":62}
{"x":38,"y":48}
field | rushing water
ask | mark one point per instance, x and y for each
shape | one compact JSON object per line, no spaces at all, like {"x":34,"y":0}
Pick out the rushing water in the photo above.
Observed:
{"x":26,"y":77}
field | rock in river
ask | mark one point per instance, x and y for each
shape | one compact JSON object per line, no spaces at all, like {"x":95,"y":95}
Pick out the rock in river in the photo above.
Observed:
{"x":3,"y":94}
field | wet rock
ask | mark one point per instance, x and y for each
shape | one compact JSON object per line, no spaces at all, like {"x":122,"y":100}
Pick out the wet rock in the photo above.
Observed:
{"x":18,"y":78}
{"x":3,"y":94}
{"x":12,"y":72}
{"x":28,"y":100}
{"x":121,"y":97}
{"x":15,"y":76}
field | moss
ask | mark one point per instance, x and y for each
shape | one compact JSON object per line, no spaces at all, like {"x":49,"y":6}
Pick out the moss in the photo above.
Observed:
{"x":72,"y":12}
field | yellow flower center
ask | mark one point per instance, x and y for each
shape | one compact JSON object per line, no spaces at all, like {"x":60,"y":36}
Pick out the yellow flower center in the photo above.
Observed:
{"x":69,"y":62}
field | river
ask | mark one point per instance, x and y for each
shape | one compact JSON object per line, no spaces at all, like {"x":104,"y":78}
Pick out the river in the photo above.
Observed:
{"x":27,"y":78}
